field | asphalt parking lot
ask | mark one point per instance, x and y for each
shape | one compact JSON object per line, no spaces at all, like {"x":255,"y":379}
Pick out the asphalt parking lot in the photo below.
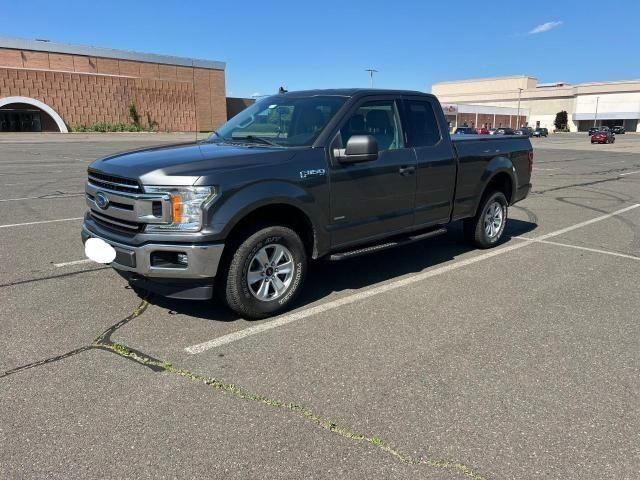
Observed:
{"x":431,"y":361}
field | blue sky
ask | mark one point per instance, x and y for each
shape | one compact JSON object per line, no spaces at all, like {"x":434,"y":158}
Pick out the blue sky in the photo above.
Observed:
{"x":329,"y":44}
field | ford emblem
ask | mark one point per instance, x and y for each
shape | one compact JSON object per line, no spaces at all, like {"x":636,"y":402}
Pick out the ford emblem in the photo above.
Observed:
{"x":102,"y":201}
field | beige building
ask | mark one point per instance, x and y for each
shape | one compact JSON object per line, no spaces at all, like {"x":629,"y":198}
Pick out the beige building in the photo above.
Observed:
{"x":586,"y":104}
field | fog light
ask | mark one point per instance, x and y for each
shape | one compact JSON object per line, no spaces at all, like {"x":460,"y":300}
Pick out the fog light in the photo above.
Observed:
{"x":183,"y":259}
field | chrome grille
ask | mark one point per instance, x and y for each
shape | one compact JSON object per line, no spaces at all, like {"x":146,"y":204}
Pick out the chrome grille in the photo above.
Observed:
{"x":116,"y":223}
{"x":123,"y":206}
{"x":111,"y":182}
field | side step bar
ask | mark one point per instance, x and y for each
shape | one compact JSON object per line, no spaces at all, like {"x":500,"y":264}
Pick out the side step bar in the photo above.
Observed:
{"x":385,"y":246}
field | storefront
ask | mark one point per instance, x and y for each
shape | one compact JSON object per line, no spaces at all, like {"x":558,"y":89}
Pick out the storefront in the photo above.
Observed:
{"x":613,"y":109}
{"x":476,"y":116}
{"x":586,"y":104}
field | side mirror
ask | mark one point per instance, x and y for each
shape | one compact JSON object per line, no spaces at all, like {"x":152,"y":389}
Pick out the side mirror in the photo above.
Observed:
{"x":360,"y":148}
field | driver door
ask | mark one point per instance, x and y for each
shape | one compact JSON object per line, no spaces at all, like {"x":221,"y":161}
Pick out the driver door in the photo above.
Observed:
{"x":373,"y":198}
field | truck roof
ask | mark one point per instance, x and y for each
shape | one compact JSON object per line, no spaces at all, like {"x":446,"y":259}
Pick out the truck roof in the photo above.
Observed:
{"x":353,"y":92}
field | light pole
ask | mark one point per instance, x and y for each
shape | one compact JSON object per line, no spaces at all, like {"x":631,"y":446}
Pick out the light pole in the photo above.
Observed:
{"x":371,"y":72}
{"x":595,"y":118}
{"x":519,"y":95}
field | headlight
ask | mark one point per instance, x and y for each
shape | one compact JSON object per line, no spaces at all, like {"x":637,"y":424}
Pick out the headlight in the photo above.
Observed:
{"x":187,"y":204}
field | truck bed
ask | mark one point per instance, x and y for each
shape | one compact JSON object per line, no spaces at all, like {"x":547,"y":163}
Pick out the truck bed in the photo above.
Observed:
{"x":478,"y":155}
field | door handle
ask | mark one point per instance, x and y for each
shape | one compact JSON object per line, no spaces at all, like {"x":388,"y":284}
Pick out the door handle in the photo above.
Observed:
{"x":406,"y":170}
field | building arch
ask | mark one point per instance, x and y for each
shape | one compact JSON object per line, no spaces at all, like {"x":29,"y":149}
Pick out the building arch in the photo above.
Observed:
{"x":57,"y":119}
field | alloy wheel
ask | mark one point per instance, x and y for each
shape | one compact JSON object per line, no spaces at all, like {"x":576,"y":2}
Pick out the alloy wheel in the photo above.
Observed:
{"x":493,"y":219}
{"x":270,"y":272}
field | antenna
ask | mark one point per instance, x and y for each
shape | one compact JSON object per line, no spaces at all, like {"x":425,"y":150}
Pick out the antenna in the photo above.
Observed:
{"x":371,"y":72}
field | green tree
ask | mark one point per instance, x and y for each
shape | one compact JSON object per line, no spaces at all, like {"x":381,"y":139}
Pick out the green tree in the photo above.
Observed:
{"x":561,"y":121}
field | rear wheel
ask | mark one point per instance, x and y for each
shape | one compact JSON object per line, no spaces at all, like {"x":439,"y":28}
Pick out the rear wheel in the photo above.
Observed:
{"x":266,"y":272}
{"x":486,"y":228}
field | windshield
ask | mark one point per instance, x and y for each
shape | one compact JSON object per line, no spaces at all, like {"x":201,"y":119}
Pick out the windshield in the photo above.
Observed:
{"x":280,"y":120}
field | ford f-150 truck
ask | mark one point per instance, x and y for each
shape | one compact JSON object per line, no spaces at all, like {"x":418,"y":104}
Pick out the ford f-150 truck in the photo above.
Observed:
{"x":294,"y":177}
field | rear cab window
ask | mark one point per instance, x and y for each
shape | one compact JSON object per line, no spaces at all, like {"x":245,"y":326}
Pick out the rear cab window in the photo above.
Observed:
{"x":422,"y":129}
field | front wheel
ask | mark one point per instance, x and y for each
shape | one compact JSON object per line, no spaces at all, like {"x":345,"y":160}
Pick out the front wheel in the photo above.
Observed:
{"x":266,"y":273}
{"x":486,"y":228}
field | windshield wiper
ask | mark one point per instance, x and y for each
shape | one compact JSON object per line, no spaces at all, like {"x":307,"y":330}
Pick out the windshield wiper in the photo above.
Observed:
{"x":254,"y":139}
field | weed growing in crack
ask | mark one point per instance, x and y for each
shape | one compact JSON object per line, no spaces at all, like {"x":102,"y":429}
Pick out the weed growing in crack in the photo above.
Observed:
{"x":104,"y":342}
{"x":121,"y":349}
{"x":300,"y":410}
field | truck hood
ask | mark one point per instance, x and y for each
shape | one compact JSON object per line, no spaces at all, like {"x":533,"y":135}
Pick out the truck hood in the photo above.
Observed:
{"x":183,"y":164}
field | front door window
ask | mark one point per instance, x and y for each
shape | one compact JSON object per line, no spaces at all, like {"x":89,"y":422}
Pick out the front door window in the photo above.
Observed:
{"x":379,"y":119}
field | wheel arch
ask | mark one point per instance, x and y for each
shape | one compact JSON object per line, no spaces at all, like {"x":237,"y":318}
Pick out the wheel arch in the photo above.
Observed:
{"x":499,"y":175}
{"x":278,"y":202}
{"x":274,"y":213}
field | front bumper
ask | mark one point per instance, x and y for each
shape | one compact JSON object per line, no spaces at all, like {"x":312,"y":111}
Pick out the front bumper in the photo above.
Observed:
{"x":195,"y":280}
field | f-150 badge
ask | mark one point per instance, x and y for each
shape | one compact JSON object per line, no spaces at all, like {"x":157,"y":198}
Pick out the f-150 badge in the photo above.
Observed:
{"x":312,"y":173}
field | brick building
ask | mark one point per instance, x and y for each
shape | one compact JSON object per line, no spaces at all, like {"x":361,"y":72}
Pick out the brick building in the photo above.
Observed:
{"x":53,"y":87}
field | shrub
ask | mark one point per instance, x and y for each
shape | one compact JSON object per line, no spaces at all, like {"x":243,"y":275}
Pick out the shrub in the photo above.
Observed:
{"x":152,"y":124}
{"x":136,"y":126}
{"x":561,"y":121}
{"x":104,"y":127}
{"x":133,"y":113}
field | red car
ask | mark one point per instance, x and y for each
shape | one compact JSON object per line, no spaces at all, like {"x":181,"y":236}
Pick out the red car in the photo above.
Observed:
{"x":603,"y":136}
{"x":482,"y":131}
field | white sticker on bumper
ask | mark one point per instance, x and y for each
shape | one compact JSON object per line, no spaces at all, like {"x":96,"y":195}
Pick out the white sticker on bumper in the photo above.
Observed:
{"x":99,"y":251}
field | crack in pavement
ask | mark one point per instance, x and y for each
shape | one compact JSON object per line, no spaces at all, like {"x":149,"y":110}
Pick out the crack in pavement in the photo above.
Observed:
{"x":51,"y":277}
{"x":584,"y":184}
{"x":104,"y":342}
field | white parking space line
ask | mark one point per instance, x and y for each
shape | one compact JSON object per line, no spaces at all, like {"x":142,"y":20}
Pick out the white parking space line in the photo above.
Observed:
{"x":286,"y":319}
{"x":40,"y":222}
{"x":609,"y":163}
{"x":74,"y":262}
{"x":584,"y":224}
{"x":629,"y":173}
{"x":16,"y":199}
{"x":587,"y":249}
{"x":43,"y":197}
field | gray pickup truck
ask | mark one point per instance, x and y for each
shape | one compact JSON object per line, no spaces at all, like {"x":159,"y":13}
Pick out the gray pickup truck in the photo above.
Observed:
{"x":296,"y":176}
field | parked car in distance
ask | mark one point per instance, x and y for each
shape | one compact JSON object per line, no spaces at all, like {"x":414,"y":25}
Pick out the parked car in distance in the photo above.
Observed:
{"x":492,"y":131}
{"x":482,"y":131}
{"x":504,"y":131}
{"x":593,"y":130}
{"x":618,"y":129}
{"x":540,"y":132}
{"x":465,"y":131}
{"x":526,"y":132}
{"x":603,"y":136}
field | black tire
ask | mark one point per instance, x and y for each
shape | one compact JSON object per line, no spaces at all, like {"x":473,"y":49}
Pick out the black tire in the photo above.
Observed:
{"x":238,"y":294}
{"x":474,"y":228}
